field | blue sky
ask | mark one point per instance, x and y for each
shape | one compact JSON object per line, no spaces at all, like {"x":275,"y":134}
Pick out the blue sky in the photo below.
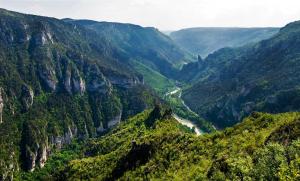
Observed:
{"x":167,"y":14}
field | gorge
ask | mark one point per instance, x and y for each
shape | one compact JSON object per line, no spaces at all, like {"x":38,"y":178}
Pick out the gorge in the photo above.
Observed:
{"x":89,"y":100}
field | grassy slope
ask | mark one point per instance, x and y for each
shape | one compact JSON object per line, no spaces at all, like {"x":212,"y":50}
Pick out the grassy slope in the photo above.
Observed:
{"x":154,"y":79}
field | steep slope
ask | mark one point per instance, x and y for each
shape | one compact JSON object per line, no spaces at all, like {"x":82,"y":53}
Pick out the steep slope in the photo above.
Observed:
{"x":58,"y":81}
{"x":253,"y":150}
{"x":146,"y":46}
{"x":261,"y":77}
{"x":203,"y":41}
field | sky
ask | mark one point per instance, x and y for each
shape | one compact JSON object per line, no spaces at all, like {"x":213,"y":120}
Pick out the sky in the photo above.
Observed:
{"x":167,"y":14}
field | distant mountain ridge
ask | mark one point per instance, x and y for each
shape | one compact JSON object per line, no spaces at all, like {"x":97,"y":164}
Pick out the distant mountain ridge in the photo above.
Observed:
{"x":146,"y":45}
{"x":206,"y":40}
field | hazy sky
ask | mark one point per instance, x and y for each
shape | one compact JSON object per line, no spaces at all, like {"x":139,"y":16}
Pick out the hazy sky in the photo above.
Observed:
{"x":167,"y":14}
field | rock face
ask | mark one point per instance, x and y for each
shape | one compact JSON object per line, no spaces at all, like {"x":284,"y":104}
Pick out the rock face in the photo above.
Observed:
{"x":73,"y":82}
{"x":1,"y":106}
{"x":59,"y":141}
{"x":27,"y":97}
{"x":123,"y":82}
{"x":96,"y":81}
{"x":37,"y":157}
{"x":48,"y":76}
{"x":78,"y":84}
{"x":42,"y":38}
{"x":116,"y":120}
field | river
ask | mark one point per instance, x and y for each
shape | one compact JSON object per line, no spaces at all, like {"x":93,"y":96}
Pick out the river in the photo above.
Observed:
{"x":181,"y":120}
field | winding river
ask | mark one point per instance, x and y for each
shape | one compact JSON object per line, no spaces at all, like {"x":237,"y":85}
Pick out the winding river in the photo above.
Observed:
{"x":181,"y":120}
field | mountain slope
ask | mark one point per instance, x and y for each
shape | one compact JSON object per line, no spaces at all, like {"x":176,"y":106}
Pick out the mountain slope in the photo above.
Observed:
{"x":145,"y":45}
{"x":261,"y":77}
{"x":255,"y":149}
{"x":58,"y":82}
{"x":203,"y":41}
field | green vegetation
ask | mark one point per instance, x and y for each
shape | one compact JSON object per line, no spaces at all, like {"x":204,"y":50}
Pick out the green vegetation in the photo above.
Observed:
{"x":176,"y":103}
{"x":204,"y":41}
{"x":58,"y":82}
{"x":233,"y":82}
{"x":165,"y":151}
{"x":134,"y":43}
{"x":158,"y":82}
{"x":75,"y":106}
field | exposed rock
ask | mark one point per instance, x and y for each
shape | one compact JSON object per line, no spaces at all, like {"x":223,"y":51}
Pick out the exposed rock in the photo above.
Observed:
{"x":86,"y":133}
{"x":27,"y":97}
{"x":97,"y":82}
{"x":42,"y":38}
{"x":8,"y":168}
{"x":37,"y":157}
{"x":67,"y":82}
{"x":100,"y":128}
{"x":31,"y":158}
{"x":78,"y":84}
{"x":59,"y":141}
{"x":122,"y":81}
{"x":1,"y":106}
{"x":201,"y":63}
{"x":73,"y":82}
{"x":116,"y":120}
{"x":48,"y":76}
{"x":42,"y":156}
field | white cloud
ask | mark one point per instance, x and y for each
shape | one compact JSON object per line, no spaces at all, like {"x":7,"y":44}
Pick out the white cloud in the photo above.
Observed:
{"x":167,"y":14}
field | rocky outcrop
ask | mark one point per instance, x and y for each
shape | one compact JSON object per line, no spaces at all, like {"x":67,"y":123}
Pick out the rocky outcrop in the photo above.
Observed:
{"x":78,"y":84}
{"x":201,"y":63}
{"x":100,"y":128}
{"x":48,"y":76}
{"x":122,"y":81}
{"x":36,"y":156}
{"x":73,"y":82}
{"x":1,"y":106}
{"x":8,"y":168}
{"x":116,"y":120}
{"x":27,"y":97}
{"x":42,"y":38}
{"x":59,"y":141}
{"x":96,"y":81}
